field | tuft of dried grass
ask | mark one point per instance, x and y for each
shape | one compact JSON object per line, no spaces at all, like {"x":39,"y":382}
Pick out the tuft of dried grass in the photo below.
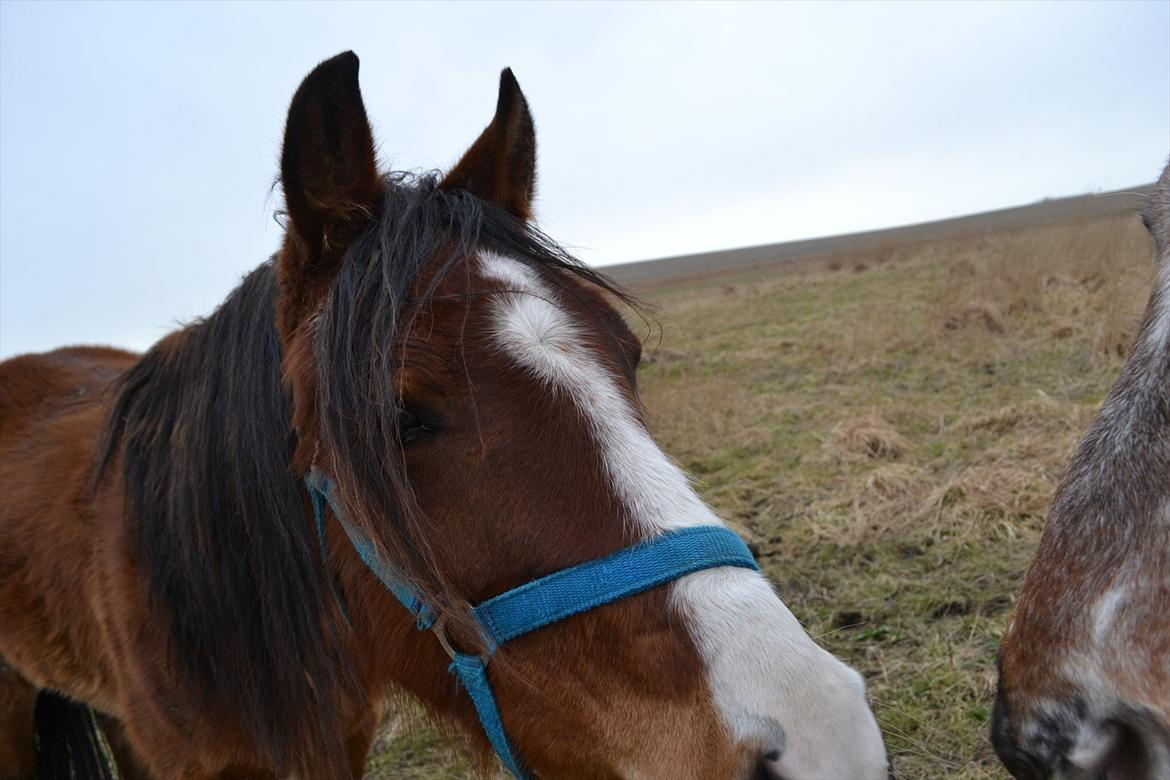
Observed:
{"x":1001,"y":420}
{"x":978,"y":314}
{"x":886,"y":501}
{"x":894,"y":482}
{"x":868,"y":436}
{"x":997,"y":498}
{"x":994,"y":500}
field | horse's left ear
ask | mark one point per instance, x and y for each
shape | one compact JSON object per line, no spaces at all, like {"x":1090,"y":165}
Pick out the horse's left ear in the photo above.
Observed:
{"x":500,"y":166}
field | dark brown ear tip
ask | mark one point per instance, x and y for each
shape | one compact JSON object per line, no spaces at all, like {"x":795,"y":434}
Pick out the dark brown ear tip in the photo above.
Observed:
{"x":509,"y":92}
{"x":348,"y":63}
{"x":347,"y":60}
{"x":342,"y":68}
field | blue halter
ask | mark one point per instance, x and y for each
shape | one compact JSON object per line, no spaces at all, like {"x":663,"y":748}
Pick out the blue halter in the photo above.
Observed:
{"x":542,"y":601}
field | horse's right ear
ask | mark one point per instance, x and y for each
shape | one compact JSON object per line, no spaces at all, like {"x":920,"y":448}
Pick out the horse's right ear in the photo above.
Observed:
{"x":328,"y":170}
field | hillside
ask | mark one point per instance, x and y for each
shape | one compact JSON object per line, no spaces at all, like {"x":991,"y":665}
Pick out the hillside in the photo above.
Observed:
{"x":1044,"y":212}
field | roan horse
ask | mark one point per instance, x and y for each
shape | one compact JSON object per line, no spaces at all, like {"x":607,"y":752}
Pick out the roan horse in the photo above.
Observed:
{"x":1084,"y":686}
{"x":471,"y":390}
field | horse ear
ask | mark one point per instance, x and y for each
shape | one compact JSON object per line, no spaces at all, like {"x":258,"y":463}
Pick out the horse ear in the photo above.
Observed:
{"x":500,"y":166}
{"x":327,"y":166}
{"x":1156,"y":215}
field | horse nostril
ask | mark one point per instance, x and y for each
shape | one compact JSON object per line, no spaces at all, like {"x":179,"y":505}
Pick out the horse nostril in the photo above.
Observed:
{"x":766,"y":766}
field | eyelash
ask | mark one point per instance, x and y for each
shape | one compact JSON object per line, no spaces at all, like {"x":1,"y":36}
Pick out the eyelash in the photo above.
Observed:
{"x":415,"y":425}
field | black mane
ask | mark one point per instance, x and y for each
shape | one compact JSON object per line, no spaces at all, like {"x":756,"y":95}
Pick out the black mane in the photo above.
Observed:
{"x":217,"y":520}
{"x":216,"y":517}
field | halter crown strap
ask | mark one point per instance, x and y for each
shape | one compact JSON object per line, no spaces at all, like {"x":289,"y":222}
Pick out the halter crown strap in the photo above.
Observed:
{"x":546,"y":600}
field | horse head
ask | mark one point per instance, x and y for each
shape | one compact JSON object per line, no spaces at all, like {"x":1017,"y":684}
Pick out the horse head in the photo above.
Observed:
{"x":471,"y":391}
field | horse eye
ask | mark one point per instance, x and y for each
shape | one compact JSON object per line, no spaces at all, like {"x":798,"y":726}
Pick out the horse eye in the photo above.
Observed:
{"x":416,"y":424}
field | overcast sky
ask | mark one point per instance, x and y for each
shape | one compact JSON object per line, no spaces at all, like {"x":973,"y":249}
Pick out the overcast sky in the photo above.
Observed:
{"x":139,"y":142}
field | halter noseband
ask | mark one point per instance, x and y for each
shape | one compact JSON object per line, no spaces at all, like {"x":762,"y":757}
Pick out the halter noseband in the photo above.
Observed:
{"x":542,"y":601}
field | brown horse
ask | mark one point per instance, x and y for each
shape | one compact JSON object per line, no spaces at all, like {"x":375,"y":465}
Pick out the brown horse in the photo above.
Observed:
{"x":471,"y":390}
{"x":1084,"y":687}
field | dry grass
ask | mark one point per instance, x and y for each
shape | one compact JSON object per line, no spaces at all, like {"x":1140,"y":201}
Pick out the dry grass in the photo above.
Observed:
{"x":866,"y":437}
{"x":887,"y":428}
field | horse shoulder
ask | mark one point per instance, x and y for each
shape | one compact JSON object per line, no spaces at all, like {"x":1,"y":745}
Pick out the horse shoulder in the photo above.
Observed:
{"x":52,"y":409}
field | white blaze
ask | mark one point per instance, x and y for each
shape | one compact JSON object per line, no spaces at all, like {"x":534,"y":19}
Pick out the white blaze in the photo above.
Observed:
{"x":775,"y":688}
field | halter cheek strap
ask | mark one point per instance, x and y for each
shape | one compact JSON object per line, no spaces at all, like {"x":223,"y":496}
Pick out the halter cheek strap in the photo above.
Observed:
{"x":542,"y":601}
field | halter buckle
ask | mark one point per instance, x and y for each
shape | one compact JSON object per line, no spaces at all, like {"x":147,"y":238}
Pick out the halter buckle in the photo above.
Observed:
{"x":439,"y":627}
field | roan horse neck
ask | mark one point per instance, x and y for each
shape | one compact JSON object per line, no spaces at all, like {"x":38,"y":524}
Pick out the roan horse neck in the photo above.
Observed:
{"x":1136,"y":406}
{"x":1117,"y":478}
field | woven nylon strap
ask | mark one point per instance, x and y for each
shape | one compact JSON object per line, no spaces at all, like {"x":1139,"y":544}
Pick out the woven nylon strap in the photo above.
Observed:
{"x":322,"y":492}
{"x":550,"y":599}
{"x":472,"y":673}
{"x":624,"y":573}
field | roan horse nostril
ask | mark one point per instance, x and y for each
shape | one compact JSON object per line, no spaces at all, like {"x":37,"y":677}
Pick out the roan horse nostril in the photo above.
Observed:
{"x":765,"y":769}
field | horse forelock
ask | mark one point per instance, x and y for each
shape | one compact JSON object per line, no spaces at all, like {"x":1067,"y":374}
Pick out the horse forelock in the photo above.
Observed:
{"x":424,"y":237}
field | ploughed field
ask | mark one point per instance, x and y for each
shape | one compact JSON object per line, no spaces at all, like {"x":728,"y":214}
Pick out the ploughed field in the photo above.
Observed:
{"x":887,"y":426}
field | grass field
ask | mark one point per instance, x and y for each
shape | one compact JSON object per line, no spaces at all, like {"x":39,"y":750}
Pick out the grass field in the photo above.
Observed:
{"x":888,"y":428}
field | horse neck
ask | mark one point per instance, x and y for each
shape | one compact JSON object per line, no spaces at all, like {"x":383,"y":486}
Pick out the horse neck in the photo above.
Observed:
{"x":1137,"y":402}
{"x":1118,"y":475}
